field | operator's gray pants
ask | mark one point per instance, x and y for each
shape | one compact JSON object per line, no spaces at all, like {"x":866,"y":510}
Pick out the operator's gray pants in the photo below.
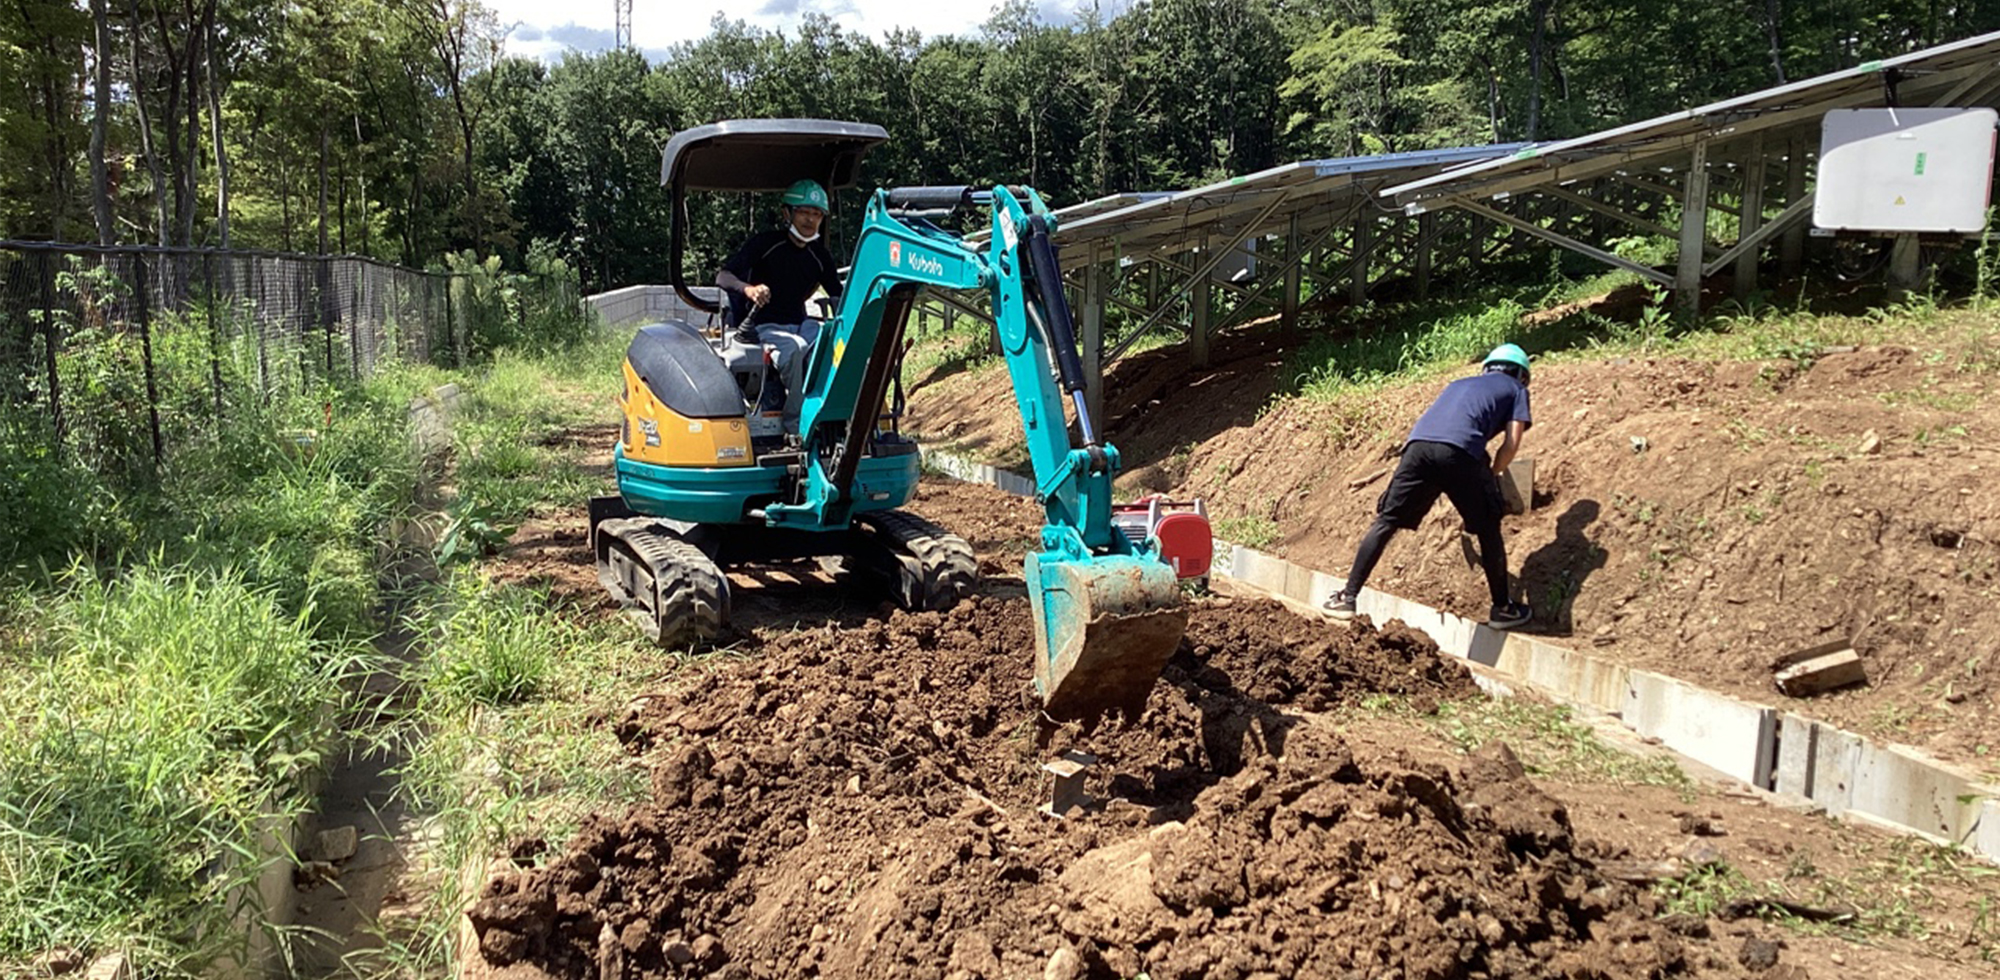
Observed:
{"x":789,"y":346}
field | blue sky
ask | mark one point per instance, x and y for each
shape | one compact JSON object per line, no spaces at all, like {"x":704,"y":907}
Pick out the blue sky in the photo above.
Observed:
{"x":546,"y":28}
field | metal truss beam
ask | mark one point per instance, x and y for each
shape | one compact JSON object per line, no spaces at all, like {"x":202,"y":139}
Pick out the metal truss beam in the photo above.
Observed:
{"x":1565,"y":241}
{"x":1214,"y":259}
{"x":1770,"y":229}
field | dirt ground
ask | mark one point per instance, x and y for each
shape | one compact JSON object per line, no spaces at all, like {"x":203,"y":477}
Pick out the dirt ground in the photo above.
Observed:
{"x":1698,"y":519}
{"x":855,"y":794}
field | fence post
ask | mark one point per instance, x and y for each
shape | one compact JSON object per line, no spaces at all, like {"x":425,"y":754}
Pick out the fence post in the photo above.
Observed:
{"x":256,"y":313}
{"x":51,"y":342}
{"x":304,"y":340}
{"x":322,"y":295}
{"x":354,"y":320}
{"x":214,"y":334}
{"x":146,"y":348}
{"x":449,"y":344}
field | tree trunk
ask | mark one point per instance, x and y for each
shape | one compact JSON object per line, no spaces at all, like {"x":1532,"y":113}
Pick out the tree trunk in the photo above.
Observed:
{"x":189,"y":196}
{"x":285,"y":196}
{"x":1492,"y":98}
{"x":322,"y":185}
{"x":176,"y":161}
{"x":1774,"y":31}
{"x":361,"y":178}
{"x":1538,"y":43}
{"x":100,"y":170}
{"x":197,"y":57}
{"x":55,"y":113}
{"x":340,"y":181}
{"x":146,"y":134}
{"x":215,"y":137}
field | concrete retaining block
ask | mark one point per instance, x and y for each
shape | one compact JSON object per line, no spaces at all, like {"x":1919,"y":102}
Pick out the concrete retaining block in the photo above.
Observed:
{"x":1796,"y":739}
{"x":1834,"y":756}
{"x":1986,"y":837}
{"x":635,"y":305}
{"x":1256,"y":568}
{"x":1730,"y":736}
{"x":1575,"y":676}
{"x":1322,"y":588}
{"x":1901,"y":784}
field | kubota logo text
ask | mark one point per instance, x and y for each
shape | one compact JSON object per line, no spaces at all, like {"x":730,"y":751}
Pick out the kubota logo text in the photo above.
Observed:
{"x":919,"y":262}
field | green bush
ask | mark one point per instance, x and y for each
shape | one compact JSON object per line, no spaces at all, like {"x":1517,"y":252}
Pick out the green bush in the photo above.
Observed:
{"x":540,"y":310}
{"x":49,"y":505}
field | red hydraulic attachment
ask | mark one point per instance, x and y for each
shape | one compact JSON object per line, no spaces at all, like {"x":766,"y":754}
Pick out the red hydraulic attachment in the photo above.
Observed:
{"x":1186,"y":543}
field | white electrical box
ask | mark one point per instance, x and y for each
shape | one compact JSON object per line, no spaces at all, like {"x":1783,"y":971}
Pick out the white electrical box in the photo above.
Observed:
{"x":1905,"y":170}
{"x":1239,"y":266}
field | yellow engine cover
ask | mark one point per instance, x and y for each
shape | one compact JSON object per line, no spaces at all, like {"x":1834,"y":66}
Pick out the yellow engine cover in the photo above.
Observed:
{"x":658,"y":435}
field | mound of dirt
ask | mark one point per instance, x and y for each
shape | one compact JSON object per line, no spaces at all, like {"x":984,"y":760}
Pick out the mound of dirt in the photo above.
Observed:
{"x":863,"y":802}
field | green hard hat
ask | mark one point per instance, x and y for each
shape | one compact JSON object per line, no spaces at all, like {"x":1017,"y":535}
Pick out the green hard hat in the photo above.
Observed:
{"x":1509,"y":354}
{"x":805,"y":194}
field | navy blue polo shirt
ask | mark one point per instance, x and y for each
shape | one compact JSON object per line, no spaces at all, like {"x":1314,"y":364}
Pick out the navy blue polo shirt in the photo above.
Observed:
{"x":773,"y":259}
{"x":1471,"y":411}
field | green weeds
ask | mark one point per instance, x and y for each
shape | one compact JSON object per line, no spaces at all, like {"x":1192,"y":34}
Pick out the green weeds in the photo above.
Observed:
{"x":490,"y":645}
{"x":157,"y":722}
{"x":1704,"y":891}
{"x":1248,"y":530}
{"x":1550,"y":742}
{"x":178,"y":635}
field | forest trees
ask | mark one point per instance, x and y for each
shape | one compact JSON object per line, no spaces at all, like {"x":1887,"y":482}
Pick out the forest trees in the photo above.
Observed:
{"x":402,"y":129}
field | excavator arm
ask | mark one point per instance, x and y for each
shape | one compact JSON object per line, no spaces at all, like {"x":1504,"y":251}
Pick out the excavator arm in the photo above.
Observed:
{"x":1108,"y":611}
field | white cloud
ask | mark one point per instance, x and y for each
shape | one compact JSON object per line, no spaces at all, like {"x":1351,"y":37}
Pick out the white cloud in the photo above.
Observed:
{"x":546,"y":28}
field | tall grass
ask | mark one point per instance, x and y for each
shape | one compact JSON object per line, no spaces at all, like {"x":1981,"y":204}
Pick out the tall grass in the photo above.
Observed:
{"x":1367,"y":355}
{"x":507,"y":740}
{"x":489,"y":645}
{"x":156,"y":721}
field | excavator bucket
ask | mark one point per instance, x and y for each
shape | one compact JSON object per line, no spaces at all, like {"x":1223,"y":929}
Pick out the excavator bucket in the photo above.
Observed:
{"x":1104,"y":628}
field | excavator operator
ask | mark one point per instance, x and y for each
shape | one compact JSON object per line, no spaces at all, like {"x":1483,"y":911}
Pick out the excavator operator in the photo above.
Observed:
{"x":772,"y":275}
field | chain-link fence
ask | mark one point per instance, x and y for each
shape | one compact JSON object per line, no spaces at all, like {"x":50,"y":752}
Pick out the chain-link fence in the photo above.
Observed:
{"x":115,"y":356}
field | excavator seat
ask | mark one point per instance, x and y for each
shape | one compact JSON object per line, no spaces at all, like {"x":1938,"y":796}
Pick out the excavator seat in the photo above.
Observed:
{"x":745,"y":363}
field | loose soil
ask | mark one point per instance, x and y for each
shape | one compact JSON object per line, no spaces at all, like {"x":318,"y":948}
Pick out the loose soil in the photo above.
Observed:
{"x":1699,"y":519}
{"x":856,"y":795}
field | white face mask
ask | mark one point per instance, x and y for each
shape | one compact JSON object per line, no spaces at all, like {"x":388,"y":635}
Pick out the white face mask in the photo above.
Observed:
{"x":802,"y":239}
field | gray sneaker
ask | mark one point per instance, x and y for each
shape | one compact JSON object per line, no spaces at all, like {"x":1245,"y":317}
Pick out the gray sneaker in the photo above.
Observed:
{"x":1339,"y":605}
{"x":1510,"y":615}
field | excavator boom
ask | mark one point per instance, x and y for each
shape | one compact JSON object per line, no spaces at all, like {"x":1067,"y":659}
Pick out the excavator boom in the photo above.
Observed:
{"x":1108,"y":609}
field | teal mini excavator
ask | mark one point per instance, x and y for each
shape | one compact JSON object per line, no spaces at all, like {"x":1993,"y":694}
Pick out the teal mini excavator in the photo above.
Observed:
{"x":702,"y":487}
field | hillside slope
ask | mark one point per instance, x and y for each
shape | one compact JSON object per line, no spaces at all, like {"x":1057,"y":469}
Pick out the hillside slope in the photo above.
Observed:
{"x":1695,"y":514}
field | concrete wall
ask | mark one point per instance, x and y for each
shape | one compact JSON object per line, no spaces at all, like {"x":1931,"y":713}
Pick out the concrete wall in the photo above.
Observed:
{"x":635,"y":305}
{"x":1767,"y":748}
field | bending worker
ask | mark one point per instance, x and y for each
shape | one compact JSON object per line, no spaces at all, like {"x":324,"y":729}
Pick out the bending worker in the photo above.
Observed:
{"x":1446,"y":454}
{"x":773,"y":274}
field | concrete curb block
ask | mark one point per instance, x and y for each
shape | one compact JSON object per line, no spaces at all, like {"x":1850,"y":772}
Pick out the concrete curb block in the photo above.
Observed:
{"x":635,"y":305}
{"x":1894,"y":786}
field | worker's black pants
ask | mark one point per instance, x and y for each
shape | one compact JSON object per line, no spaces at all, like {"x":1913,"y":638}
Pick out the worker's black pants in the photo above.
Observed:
{"x":1427,"y":470}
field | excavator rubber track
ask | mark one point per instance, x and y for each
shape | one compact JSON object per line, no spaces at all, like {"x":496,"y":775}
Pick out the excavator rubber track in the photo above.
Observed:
{"x":927,"y":566}
{"x":677,"y":595}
